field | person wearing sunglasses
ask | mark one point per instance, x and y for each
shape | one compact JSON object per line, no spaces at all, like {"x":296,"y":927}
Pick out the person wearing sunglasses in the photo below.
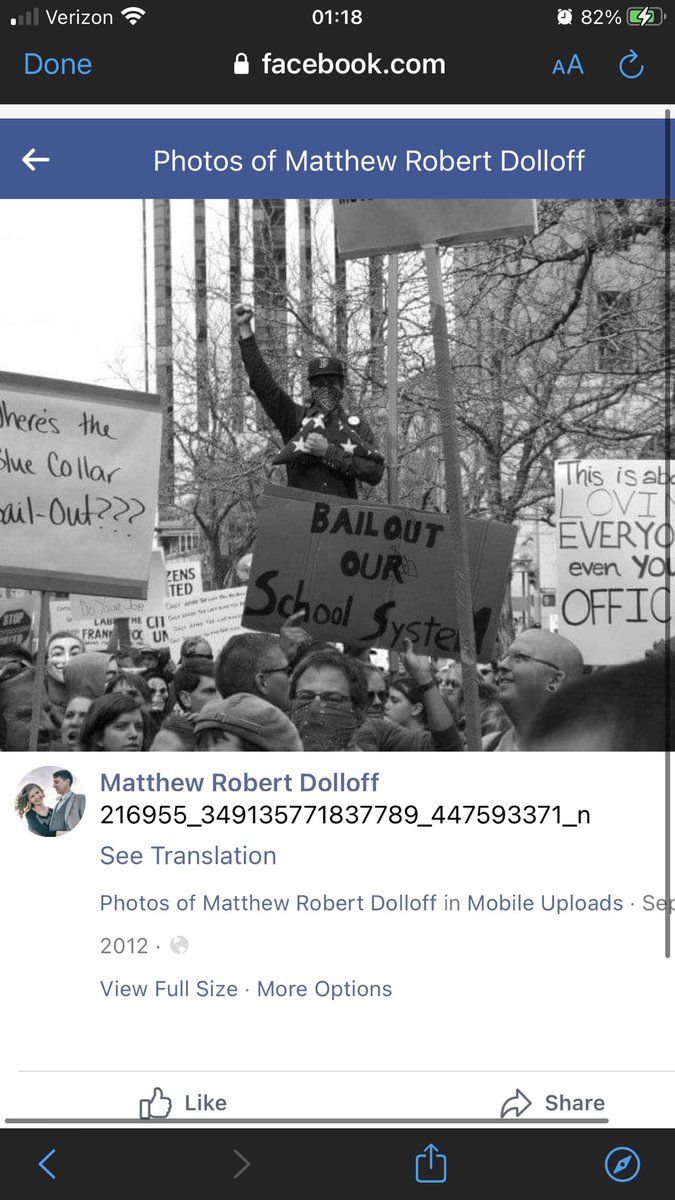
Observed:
{"x":536,"y":665}
{"x":262,"y":663}
{"x":378,"y":690}
{"x":438,"y":729}
{"x":254,"y":663}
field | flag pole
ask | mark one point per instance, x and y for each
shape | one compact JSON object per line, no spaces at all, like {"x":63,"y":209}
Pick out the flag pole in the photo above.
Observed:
{"x":38,"y":691}
{"x":455,"y":504}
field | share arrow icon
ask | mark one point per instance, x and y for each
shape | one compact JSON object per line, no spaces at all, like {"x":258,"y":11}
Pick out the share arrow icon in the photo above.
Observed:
{"x":517,"y":1104}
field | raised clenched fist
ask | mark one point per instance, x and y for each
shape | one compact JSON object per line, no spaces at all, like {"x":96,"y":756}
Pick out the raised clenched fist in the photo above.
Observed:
{"x":243,"y":315}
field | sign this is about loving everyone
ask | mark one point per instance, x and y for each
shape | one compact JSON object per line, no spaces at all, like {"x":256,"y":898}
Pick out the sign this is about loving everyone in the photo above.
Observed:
{"x":79,"y":470}
{"x":614,"y":543}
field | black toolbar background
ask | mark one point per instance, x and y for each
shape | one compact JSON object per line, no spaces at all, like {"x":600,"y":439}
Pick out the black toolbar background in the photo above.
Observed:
{"x":494,"y":54}
{"x":158,"y":1161}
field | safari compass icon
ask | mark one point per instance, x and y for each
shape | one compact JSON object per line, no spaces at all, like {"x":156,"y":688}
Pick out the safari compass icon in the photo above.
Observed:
{"x":622,"y":1164}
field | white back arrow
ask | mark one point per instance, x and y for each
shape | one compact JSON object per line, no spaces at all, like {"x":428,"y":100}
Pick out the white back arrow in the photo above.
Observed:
{"x":30,"y":158}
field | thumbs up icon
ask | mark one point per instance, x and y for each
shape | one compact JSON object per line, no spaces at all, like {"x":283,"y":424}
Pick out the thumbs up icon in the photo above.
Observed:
{"x":157,"y":1107}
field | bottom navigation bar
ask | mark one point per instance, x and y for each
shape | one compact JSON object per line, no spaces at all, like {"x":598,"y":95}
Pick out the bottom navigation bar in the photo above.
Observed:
{"x":307,"y":1163}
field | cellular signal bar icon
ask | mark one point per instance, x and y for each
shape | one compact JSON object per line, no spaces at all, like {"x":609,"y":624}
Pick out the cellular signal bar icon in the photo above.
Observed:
{"x":32,"y":17}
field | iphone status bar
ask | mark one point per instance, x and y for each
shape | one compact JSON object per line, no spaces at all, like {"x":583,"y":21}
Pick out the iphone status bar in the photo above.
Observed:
{"x":532,"y":53}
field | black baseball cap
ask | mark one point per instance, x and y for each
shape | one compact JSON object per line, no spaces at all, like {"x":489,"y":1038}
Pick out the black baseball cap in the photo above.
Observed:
{"x":325,"y":365}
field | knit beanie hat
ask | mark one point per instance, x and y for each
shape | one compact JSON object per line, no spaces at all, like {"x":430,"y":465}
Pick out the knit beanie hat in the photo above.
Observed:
{"x":252,"y":719}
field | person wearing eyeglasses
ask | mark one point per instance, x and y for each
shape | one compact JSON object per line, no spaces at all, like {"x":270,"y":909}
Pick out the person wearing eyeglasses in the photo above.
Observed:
{"x":254,"y":663}
{"x":262,"y":663}
{"x":438,"y":731}
{"x":378,"y":690}
{"x":536,"y":665}
{"x":329,"y":697}
{"x":329,"y":691}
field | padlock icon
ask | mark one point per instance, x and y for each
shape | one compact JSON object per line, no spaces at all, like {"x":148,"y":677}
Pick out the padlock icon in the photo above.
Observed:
{"x":241,"y":64}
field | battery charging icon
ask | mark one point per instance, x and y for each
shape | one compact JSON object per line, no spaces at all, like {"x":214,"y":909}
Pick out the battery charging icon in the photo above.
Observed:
{"x":644,"y":16}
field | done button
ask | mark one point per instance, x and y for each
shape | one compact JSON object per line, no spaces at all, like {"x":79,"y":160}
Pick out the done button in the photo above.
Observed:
{"x":35,"y":64}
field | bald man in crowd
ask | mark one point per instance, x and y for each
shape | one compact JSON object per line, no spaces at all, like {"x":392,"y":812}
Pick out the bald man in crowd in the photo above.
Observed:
{"x":536,"y":665}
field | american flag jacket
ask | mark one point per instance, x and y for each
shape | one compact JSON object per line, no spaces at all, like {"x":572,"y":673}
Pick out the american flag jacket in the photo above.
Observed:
{"x":351,"y":455}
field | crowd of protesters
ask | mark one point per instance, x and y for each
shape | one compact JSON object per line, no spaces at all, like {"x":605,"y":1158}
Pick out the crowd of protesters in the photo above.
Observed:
{"x":266,"y":692}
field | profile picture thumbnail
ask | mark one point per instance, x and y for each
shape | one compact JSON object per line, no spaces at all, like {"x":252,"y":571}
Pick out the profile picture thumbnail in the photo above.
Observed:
{"x":49,"y":801}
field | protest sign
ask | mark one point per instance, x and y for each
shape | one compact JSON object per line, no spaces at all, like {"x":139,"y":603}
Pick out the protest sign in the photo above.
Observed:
{"x":366,"y":227}
{"x":183,"y":577}
{"x":79,"y":468}
{"x":96,"y":634}
{"x":372,"y":575}
{"x":215,"y":616}
{"x":101,"y":608}
{"x":16,"y":621}
{"x":60,"y":617}
{"x":147,"y":629}
{"x":167,"y":579}
{"x":613,"y":546}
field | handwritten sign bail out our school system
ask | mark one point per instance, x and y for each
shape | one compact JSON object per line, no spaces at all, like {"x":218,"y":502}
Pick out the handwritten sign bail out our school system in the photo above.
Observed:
{"x":614,"y":547}
{"x":79,"y":471}
{"x":371,"y":575}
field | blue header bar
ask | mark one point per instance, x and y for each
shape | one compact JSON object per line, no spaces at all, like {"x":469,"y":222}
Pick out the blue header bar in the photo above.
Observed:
{"x":334,"y":158}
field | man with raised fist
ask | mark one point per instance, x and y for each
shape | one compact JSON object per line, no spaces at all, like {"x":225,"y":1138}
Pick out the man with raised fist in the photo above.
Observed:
{"x":327,"y":449}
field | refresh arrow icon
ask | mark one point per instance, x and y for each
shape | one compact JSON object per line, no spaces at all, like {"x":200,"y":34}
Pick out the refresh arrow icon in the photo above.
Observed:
{"x":626,"y":64}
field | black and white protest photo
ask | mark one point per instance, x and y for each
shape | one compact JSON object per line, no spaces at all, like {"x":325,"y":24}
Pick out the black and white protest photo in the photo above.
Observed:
{"x":352,"y":475}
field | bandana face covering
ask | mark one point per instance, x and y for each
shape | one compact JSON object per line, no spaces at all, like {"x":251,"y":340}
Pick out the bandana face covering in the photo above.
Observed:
{"x":326,"y":397}
{"x":327,"y":726}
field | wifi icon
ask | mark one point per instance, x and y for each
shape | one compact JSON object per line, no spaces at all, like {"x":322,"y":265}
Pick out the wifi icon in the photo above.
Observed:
{"x":133,"y":15}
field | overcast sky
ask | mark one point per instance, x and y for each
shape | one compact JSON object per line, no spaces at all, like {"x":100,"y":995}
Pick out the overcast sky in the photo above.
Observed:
{"x":71,"y":286}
